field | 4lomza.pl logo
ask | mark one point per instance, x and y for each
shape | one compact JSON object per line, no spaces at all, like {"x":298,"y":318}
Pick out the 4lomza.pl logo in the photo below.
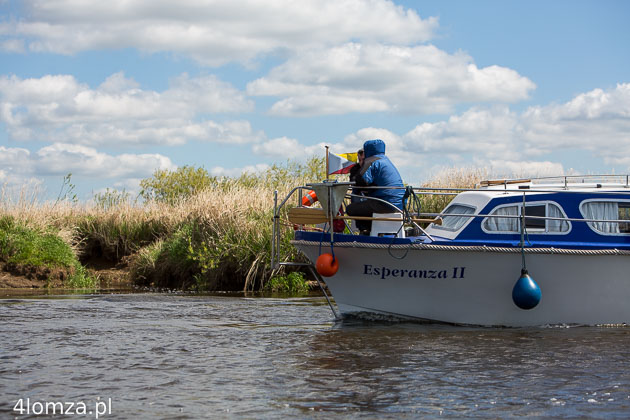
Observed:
{"x":28,"y":407}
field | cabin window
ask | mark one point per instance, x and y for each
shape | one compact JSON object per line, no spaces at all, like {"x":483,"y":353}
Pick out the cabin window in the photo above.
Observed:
{"x":607,"y":210}
{"x":624,"y":214}
{"x":535,"y":224}
{"x":554,"y":225}
{"x":454,"y":217}
{"x":503,"y":224}
{"x":537,"y":211}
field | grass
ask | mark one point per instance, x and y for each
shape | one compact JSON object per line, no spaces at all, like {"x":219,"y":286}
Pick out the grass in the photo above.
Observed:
{"x":119,"y":231}
{"x":292,"y":283}
{"x":216,"y":239}
{"x":42,"y":254}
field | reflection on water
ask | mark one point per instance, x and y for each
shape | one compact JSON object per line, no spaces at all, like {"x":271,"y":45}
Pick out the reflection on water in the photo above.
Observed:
{"x":173,"y":356}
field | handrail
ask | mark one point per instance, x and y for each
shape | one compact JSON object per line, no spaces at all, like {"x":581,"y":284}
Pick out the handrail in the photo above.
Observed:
{"x":562,"y":178}
{"x":508,"y":216}
{"x":602,"y":189}
{"x":433,"y":191}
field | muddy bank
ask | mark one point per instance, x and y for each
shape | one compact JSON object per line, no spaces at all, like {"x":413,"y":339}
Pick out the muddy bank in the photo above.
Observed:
{"x":109,"y":277}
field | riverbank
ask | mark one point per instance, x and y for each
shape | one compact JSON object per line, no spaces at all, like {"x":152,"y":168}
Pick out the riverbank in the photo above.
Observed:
{"x":218,"y":240}
{"x":110,"y":279}
{"x":215,"y":240}
{"x":106,"y":278}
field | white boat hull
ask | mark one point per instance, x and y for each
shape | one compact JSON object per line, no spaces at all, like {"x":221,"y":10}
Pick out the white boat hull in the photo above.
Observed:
{"x":475,"y":287}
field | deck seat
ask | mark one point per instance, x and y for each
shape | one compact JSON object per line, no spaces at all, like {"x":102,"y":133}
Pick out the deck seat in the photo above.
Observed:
{"x":388,"y":227}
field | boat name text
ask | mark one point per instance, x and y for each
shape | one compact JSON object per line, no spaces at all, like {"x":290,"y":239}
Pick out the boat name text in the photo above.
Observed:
{"x":386,"y":272}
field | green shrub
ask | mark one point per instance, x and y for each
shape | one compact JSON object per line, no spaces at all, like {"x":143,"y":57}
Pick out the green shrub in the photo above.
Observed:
{"x":172,"y":186}
{"x":110,"y":199}
{"x":168,"y":262}
{"x":26,"y":247}
{"x":293,"y":283}
{"x":144,"y":264}
{"x":187,"y":181}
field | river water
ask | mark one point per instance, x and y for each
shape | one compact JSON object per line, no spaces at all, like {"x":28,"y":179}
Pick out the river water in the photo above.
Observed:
{"x":229,"y":356}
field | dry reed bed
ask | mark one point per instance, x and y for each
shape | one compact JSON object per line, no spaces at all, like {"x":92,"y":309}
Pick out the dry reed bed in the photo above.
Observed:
{"x":217,"y":239}
{"x":454,"y":178}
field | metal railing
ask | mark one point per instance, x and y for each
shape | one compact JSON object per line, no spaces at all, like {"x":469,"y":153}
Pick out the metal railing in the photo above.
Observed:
{"x":566,"y":181}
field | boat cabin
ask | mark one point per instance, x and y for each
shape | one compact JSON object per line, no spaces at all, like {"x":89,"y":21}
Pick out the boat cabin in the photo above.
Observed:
{"x":567,"y":215}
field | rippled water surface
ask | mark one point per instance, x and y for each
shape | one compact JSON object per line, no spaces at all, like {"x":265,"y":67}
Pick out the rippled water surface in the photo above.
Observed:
{"x":174,"y":356}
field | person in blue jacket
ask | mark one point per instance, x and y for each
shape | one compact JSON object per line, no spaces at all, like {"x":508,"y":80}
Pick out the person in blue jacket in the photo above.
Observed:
{"x":377,"y":170}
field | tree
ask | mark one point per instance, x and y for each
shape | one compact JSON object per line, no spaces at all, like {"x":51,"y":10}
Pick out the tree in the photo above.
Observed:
{"x":171,"y":186}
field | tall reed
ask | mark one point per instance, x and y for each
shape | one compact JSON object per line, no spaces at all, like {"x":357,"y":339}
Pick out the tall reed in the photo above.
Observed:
{"x":450,"y":178}
{"x":220,"y":239}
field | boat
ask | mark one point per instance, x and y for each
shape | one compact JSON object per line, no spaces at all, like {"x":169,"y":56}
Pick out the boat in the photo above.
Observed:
{"x":509,"y":253}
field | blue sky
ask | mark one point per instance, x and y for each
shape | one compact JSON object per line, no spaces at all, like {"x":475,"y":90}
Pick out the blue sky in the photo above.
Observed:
{"x":112,"y":91}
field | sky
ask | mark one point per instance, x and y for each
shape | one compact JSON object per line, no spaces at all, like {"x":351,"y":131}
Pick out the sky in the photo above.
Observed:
{"x":112,"y":91}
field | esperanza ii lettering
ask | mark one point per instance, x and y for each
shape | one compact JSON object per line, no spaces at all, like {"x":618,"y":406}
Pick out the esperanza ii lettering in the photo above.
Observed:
{"x":387,"y":272}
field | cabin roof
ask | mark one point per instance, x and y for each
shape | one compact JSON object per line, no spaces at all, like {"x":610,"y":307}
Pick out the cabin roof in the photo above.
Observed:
{"x":485,"y":199}
{"x":568,"y":182}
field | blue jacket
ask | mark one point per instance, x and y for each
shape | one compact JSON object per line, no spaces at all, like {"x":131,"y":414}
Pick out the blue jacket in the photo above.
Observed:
{"x":382,"y":172}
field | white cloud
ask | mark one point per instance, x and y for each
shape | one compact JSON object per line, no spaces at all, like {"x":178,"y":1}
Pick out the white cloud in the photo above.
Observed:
{"x":205,"y":95}
{"x":493,"y":132}
{"x":61,"y":159}
{"x":231,"y":132}
{"x":376,"y":78}
{"x":14,"y":160}
{"x":212,"y":32}
{"x":597,"y":122}
{"x":525,"y":168}
{"x":355,"y":141}
{"x":282,"y":147}
{"x":59,"y":108}
{"x":498,"y":139}
{"x":12,"y":46}
{"x":235,"y":172}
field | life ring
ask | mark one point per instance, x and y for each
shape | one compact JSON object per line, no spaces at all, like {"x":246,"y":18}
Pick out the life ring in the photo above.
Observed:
{"x":309,"y":198}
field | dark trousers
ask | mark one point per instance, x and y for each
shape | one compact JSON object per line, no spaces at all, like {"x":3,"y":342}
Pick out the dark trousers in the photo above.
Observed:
{"x":367,"y":208}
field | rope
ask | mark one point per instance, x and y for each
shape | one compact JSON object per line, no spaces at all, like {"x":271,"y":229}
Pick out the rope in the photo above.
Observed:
{"x":410,"y":207}
{"x":332,"y":250}
{"x":322,"y":240}
{"x":472,"y":248}
{"x":391,"y":243}
{"x":411,"y":204}
{"x":523,"y":230}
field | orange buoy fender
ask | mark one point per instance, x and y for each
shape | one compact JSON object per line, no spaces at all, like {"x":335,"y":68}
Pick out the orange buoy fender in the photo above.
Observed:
{"x":327,"y":265}
{"x":309,"y":198}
